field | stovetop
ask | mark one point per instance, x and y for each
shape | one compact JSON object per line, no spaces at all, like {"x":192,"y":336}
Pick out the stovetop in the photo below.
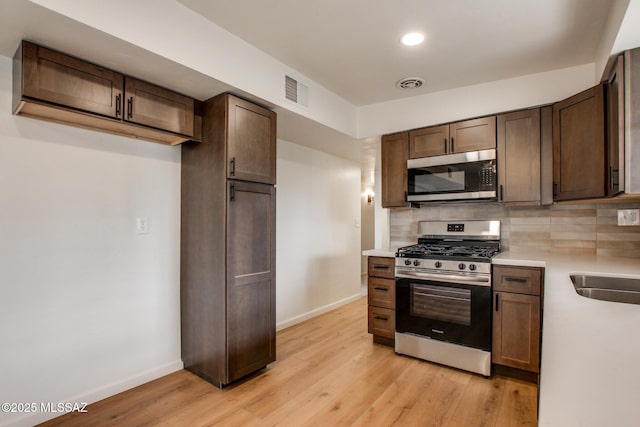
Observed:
{"x":459,"y":251}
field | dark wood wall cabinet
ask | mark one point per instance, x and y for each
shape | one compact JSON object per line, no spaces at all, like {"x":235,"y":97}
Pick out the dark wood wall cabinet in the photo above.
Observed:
{"x":53,"y":86}
{"x":395,"y":152}
{"x":458,"y":137}
{"x":579,"y":146}
{"x":381,"y":298}
{"x":517,"y":317}
{"x":524,"y":160}
{"x":228,"y":242}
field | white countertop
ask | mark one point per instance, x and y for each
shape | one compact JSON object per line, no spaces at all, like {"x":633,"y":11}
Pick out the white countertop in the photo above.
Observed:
{"x":388,"y":252}
{"x":590,"y":366}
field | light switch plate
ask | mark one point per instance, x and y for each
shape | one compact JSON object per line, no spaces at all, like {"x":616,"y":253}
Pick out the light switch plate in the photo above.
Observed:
{"x":142,"y":225}
{"x":628,"y":216}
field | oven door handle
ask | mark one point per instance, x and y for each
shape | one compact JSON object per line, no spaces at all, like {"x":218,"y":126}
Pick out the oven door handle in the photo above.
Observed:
{"x":480,"y":281}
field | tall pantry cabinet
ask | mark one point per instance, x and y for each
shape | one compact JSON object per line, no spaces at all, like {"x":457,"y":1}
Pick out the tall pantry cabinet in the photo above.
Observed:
{"x":228,"y":242}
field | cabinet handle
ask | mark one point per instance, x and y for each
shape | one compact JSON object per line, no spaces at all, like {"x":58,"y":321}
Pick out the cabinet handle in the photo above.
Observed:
{"x":118,"y":105}
{"x":232,"y":165}
{"x":381,"y":266}
{"x":381,"y":318}
{"x":515,"y":279}
{"x":232,"y":193}
{"x":497,"y":301}
{"x":445,"y":145}
{"x":501,"y":192}
{"x":130,"y":107}
{"x":555,"y":189}
{"x":452,"y":146}
{"x":380,"y":289}
{"x":612,"y":172}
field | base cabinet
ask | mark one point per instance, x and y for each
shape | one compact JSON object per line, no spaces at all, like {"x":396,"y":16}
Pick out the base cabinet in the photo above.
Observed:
{"x":381,"y":297}
{"x":227,"y":283}
{"x":517,"y":317}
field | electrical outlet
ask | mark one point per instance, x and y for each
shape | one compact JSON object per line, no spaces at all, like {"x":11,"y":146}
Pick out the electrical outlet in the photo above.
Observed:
{"x":356,"y":223}
{"x":142,"y":225}
{"x":628,"y":216}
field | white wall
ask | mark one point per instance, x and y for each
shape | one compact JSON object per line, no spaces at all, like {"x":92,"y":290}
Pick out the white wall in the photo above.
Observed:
{"x":87,"y":306}
{"x":317,"y":243}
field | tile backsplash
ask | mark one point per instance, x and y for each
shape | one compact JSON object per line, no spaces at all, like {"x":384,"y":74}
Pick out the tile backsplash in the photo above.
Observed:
{"x":579,"y":228}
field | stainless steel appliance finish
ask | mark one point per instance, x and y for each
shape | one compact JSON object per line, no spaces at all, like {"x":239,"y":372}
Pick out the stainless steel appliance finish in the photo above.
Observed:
{"x":461,"y":176}
{"x":443,"y":294}
{"x":607,"y":288}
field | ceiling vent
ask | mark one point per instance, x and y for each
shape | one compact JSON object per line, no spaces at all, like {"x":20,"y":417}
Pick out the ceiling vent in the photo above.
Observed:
{"x":296,"y":92}
{"x":410,"y":83}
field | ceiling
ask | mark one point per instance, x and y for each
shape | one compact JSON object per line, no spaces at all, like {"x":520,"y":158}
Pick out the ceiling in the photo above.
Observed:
{"x":353,"y":47}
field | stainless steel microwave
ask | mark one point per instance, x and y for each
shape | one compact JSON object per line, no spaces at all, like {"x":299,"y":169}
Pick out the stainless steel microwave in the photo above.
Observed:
{"x":461,"y":176}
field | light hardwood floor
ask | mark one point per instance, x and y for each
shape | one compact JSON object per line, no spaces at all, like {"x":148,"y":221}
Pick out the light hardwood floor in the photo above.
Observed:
{"x":328,"y":373}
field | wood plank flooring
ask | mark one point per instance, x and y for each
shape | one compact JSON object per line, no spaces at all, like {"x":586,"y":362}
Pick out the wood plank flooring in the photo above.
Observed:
{"x":328,"y":373}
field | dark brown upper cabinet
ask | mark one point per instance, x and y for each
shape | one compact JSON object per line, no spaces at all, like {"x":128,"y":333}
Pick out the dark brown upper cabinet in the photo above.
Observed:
{"x":251,"y":132}
{"x":429,"y":141}
{"x":157,"y":107}
{"x":615,"y":128}
{"x":53,"y":86}
{"x":394,"y":154}
{"x":459,"y":137}
{"x":579,"y":146}
{"x":524,"y":155}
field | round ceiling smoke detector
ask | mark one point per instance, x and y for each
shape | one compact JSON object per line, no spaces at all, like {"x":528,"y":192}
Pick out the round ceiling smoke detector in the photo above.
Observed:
{"x":410,"y":83}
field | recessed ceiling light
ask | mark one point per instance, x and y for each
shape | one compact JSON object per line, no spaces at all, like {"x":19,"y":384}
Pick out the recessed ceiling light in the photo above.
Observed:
{"x":412,"y":39}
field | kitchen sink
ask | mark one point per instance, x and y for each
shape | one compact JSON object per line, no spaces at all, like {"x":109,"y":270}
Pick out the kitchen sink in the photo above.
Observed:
{"x":606,"y":288}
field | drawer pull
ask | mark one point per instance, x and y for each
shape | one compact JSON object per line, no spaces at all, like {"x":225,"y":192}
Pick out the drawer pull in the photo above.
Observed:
{"x":381,"y":289}
{"x":515,"y":279}
{"x":381,"y":266}
{"x":381,"y":318}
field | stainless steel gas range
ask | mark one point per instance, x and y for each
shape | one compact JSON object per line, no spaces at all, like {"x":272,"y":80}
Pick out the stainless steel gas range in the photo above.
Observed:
{"x":443,"y":294}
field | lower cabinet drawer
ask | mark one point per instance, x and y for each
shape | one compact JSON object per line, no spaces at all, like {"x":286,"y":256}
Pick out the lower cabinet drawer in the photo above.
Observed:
{"x":382,"y":322}
{"x":382,"y":292}
{"x":521,"y":280}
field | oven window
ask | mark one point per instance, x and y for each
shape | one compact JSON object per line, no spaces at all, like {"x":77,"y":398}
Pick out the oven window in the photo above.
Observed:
{"x":429,"y":182}
{"x":441,"y":303}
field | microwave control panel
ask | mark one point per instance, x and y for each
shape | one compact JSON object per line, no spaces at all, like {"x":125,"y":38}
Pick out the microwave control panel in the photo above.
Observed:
{"x":487,"y":175}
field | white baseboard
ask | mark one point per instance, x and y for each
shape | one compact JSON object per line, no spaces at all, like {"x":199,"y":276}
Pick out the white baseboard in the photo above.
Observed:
{"x":318,"y":311}
{"x":91,"y":396}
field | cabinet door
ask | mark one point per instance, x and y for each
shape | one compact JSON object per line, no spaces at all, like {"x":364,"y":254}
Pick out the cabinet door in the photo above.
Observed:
{"x":473,"y":135}
{"x":516,"y":331}
{"x":251,"y":142}
{"x":519,"y":159}
{"x":250,"y":277}
{"x":154,"y":106}
{"x":395,"y":153}
{"x":70,"y":82}
{"x":431,"y":141}
{"x":579,"y":146}
{"x":615,"y":129}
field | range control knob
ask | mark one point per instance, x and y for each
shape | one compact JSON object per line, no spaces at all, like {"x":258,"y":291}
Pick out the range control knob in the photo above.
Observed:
{"x":416,"y":262}
{"x":438,"y":264}
{"x":472,"y":267}
{"x":461,"y":266}
{"x":407,"y":262}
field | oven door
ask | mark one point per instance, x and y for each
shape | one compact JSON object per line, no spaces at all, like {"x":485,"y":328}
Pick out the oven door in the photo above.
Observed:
{"x":456,"y":176}
{"x":458,"y":313}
